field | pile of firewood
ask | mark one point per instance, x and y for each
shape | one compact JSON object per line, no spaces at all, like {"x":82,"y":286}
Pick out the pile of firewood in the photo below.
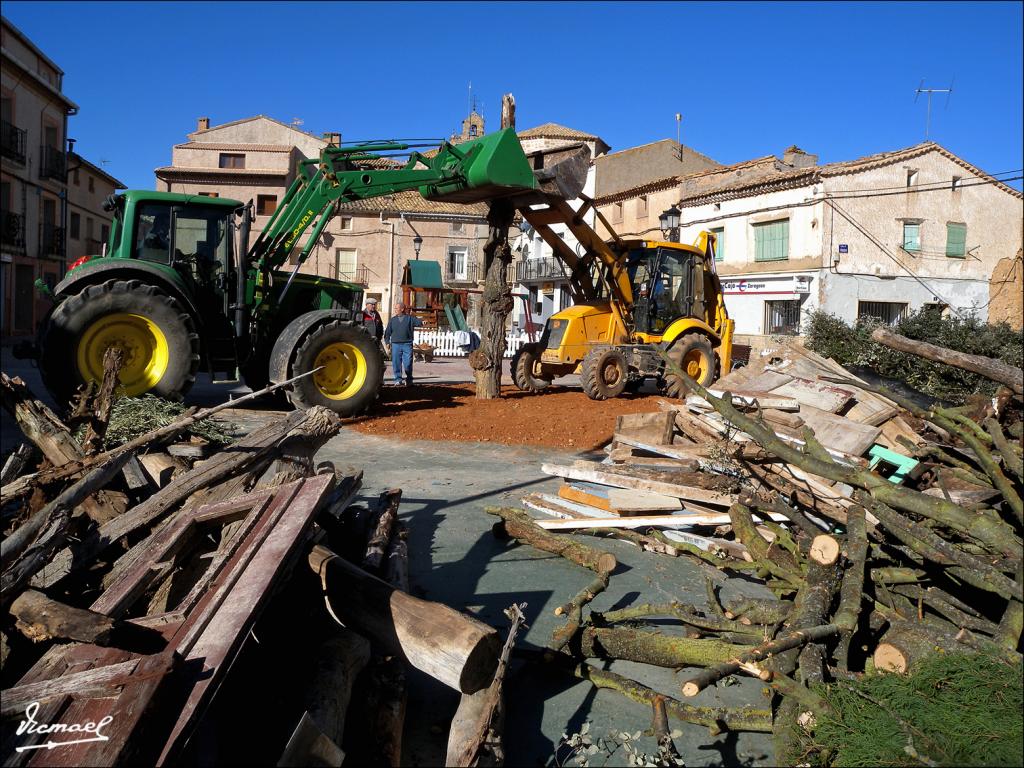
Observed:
{"x":134,"y":578}
{"x":875,"y":559}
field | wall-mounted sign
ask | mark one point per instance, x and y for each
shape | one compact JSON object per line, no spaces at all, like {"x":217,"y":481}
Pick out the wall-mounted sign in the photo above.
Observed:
{"x":802,"y":283}
{"x":780,"y":285}
{"x":844,"y":248}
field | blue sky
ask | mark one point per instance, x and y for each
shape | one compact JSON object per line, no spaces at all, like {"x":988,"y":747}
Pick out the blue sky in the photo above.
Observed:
{"x":750,"y":79}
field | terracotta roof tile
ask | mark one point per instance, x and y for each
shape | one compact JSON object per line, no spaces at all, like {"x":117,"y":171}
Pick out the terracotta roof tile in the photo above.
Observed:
{"x":182,"y":171}
{"x":412,"y":202}
{"x":235,"y":147}
{"x":554,"y":131}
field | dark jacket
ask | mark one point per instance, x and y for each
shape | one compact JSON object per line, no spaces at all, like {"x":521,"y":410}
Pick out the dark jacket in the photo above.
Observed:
{"x":399,"y":330}
{"x":373,"y":323}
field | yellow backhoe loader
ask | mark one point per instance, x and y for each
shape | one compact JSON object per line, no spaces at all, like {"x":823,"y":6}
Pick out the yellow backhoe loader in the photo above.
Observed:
{"x":632,"y":298}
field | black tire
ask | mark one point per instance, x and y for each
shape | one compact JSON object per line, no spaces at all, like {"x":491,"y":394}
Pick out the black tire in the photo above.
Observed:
{"x":524,"y":363}
{"x":696,"y":348}
{"x":604,"y":373}
{"x":76,"y":319}
{"x":352,"y":387}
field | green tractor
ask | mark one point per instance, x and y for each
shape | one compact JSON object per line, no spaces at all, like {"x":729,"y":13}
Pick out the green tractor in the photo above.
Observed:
{"x":180,"y":290}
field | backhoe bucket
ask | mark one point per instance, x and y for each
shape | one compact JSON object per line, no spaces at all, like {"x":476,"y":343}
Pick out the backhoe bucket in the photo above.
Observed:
{"x":490,"y":167}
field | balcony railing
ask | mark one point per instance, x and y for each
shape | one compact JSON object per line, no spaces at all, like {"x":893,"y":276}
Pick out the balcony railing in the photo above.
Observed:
{"x":14,"y":231}
{"x":93,"y":247}
{"x":12,"y":141}
{"x":468,"y":275}
{"x":360,"y":276}
{"x":51,"y":240}
{"x":51,"y":163}
{"x":546,"y":268}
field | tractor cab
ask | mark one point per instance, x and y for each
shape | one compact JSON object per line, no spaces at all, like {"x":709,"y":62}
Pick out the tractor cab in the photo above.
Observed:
{"x":667,"y":283}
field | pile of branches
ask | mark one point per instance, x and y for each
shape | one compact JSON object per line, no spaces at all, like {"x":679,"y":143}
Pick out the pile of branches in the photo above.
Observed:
{"x":869,"y":575}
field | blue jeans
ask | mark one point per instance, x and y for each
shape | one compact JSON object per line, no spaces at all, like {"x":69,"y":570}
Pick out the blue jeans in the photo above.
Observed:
{"x":401,"y":359}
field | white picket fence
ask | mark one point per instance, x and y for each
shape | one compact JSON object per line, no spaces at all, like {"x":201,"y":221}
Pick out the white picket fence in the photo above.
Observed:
{"x":444,"y":344}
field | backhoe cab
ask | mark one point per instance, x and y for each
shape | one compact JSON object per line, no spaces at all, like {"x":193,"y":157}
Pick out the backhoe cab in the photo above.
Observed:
{"x":647,"y":296}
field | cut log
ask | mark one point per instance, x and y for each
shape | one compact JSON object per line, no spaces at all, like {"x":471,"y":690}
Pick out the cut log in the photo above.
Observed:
{"x":39,"y":618}
{"x":451,"y":647}
{"x":339,"y":661}
{"x":389,"y":696}
{"x":667,"y":751}
{"x":525,"y":529}
{"x":388,"y":504}
{"x":309,"y":746}
{"x":654,"y":648}
{"x":990,"y":368}
{"x":903,"y":646}
{"x":824,"y":549}
{"x":113,"y":359}
{"x":162,"y":468}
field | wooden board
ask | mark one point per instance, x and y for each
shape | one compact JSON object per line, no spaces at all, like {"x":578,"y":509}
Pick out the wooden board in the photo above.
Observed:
{"x":586,"y":493}
{"x":655,"y":428}
{"x":641,"y":521}
{"x":819,"y":394}
{"x":608,"y":477}
{"x":838,"y":433}
{"x":626,"y":501}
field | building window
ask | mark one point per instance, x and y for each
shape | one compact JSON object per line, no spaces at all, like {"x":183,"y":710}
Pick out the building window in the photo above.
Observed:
{"x":641,"y":206}
{"x":888,"y":312}
{"x":457,"y":258}
{"x":266,"y":204}
{"x":209,"y":194}
{"x":346,"y":223}
{"x":617,"y":212}
{"x":956,"y":240}
{"x":782,"y":317}
{"x":719,"y":234}
{"x":76,"y":226}
{"x":92,"y":184}
{"x":771,"y":241}
{"x":228,"y":160}
{"x":957,"y":183}
{"x":911,"y":236}
{"x":89,"y":227}
{"x":74,"y":177}
{"x":911,"y":178}
{"x":458,"y":226}
{"x":345,"y":263}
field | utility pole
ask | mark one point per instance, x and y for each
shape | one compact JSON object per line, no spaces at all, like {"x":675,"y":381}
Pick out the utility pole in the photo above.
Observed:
{"x":679,"y":135}
{"x":921,"y":89}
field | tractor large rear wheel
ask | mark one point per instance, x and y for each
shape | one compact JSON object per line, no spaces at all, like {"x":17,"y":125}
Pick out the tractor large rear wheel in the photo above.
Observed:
{"x":159,"y":340}
{"x":695,"y":355}
{"x":525,"y":369}
{"x":351,"y":374}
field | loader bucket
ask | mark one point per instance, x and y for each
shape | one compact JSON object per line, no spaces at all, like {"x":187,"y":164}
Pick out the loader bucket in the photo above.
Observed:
{"x":490,"y":167}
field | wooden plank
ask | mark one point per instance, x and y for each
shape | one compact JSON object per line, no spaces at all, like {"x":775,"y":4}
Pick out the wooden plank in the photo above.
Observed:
{"x":608,"y":477}
{"x":642,"y":521}
{"x":581,"y":494}
{"x":689,"y":456}
{"x":827,"y":397}
{"x":626,"y":501}
{"x":91,"y":682}
{"x":838,"y":433}
{"x":655,"y":428}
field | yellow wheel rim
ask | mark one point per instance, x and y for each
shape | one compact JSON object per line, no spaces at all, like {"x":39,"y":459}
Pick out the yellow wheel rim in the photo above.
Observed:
{"x":695,"y":365}
{"x":143,"y":343}
{"x":343,"y":371}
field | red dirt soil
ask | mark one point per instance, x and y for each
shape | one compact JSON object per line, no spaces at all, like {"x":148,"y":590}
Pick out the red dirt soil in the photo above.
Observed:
{"x":557,"y":418}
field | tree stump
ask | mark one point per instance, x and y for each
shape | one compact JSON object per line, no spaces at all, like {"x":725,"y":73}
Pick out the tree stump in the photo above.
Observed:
{"x":486,"y":360}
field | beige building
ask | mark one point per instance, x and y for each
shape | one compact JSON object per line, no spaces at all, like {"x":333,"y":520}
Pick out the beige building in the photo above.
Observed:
{"x":33,"y":186}
{"x":88,"y":224}
{"x":636,"y":166}
{"x":368,"y":243}
{"x":878,"y":236}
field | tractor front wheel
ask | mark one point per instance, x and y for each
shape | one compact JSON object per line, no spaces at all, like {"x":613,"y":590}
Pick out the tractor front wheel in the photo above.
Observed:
{"x":525,"y":365}
{"x":694,"y":354}
{"x":351,"y":369}
{"x":159,"y":340}
{"x":604,"y":373}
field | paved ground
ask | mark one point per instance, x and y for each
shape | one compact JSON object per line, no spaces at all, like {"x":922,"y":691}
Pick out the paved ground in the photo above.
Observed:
{"x":455,"y":559}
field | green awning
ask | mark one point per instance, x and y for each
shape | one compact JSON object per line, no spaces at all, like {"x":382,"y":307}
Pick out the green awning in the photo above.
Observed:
{"x":423,"y":274}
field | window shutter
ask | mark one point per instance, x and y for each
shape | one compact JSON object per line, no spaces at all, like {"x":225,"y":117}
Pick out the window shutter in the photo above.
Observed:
{"x":911,"y":237}
{"x":719,"y":243}
{"x":771,"y":241}
{"x":956,"y":240}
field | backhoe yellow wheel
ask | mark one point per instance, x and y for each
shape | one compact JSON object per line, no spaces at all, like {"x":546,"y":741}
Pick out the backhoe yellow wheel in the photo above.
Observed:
{"x":352,"y":368}
{"x":139,"y":338}
{"x":694,"y":354}
{"x":159,"y":340}
{"x":604,"y":373}
{"x":343,"y":371}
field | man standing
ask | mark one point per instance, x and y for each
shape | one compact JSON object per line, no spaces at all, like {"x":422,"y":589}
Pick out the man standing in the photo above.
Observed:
{"x":399,"y":335}
{"x":371,"y":319}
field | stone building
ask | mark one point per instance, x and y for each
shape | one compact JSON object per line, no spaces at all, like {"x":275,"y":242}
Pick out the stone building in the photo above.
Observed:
{"x":33,"y":187}
{"x":368,"y":242}
{"x":88,"y":224}
{"x":878,"y":236}
{"x":635,"y":166}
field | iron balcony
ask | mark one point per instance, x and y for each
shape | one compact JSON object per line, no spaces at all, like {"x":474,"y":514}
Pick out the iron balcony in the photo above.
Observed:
{"x":14,"y":231}
{"x":51,"y":240}
{"x":51,"y":164}
{"x":12,"y":142}
{"x":468,"y":275}
{"x":544,"y":268}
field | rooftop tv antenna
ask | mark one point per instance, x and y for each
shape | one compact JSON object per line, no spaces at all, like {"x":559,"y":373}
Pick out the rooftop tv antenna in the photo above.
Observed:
{"x":679,"y":134}
{"x":921,"y":89}
{"x":297,"y":121}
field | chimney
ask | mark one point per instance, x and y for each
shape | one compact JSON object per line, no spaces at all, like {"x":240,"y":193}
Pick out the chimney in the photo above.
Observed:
{"x":797,"y":158}
{"x":334,"y":139}
{"x":204,"y":124}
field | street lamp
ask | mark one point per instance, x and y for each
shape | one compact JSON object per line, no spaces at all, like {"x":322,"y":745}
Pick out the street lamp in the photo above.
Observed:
{"x":669,"y":221}
{"x":417,"y":243}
